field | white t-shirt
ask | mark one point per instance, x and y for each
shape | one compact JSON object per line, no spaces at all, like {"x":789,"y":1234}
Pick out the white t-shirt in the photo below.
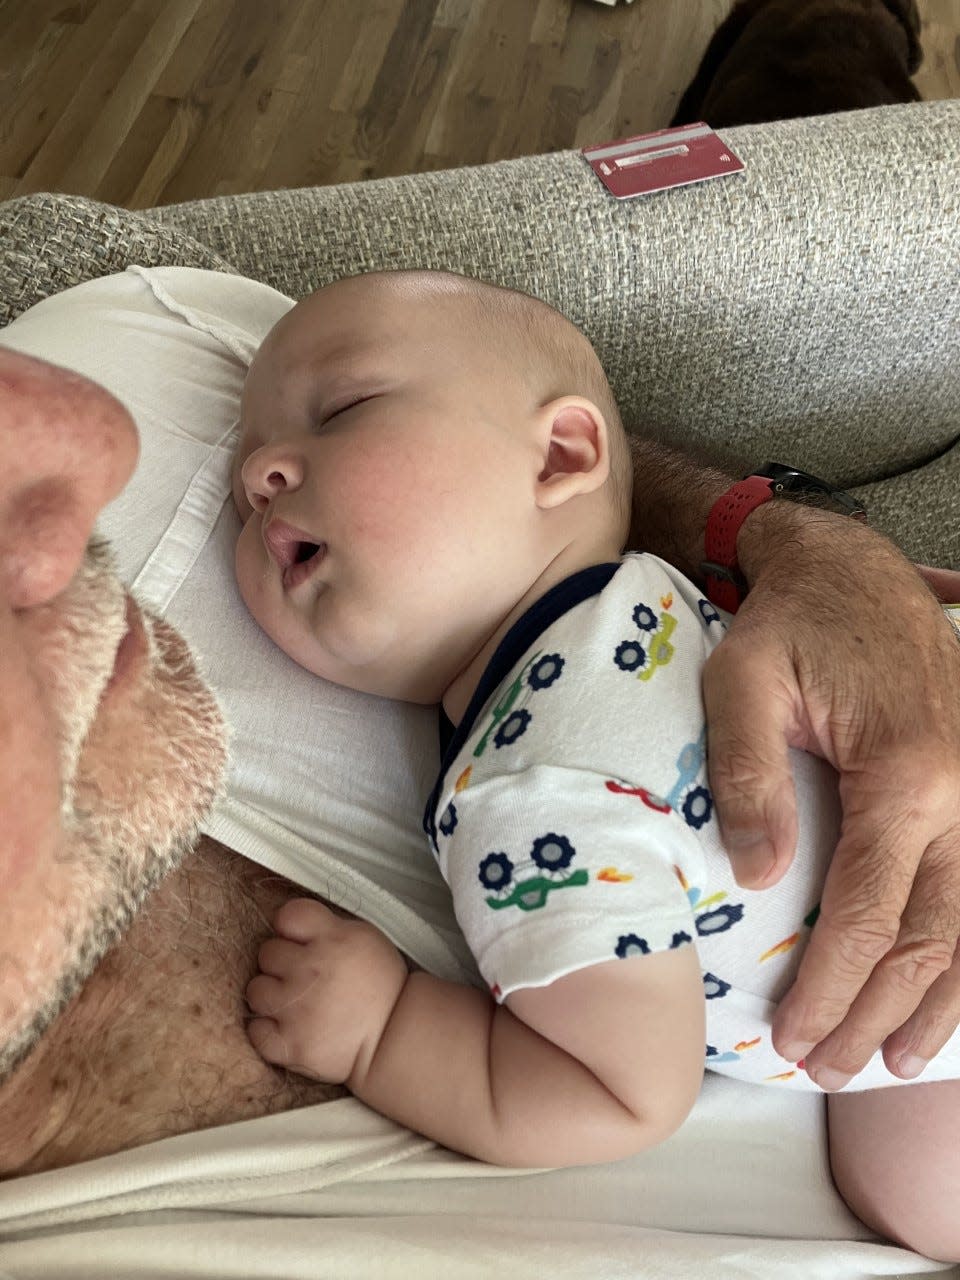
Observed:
{"x":326,"y":787}
{"x":305,"y":756}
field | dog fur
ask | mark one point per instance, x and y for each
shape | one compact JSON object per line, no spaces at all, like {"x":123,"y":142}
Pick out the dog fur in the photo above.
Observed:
{"x":778,"y":59}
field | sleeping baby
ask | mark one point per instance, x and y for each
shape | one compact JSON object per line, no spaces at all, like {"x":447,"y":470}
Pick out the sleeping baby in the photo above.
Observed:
{"x":435,"y":485}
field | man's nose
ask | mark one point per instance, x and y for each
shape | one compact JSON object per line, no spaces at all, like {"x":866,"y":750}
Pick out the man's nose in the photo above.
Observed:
{"x":66,"y":448}
{"x":270,"y":470}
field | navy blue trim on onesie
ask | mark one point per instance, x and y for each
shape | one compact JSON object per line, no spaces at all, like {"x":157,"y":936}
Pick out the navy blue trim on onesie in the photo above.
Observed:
{"x":527,"y":629}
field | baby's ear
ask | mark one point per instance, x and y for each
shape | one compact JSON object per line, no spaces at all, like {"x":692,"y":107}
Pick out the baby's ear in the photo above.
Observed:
{"x":576,"y":457}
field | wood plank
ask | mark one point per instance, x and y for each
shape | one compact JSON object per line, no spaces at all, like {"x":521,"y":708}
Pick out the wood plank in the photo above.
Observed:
{"x":360,"y":71}
{"x":407,"y":136}
{"x":47,"y":91}
{"x":151,"y":101}
{"x":26,"y":28}
{"x":939,"y":74}
{"x":179,"y":77}
{"x":228,"y":93}
{"x":165,"y":131}
{"x":470,"y":34}
{"x":319,"y":140}
{"x":127,"y":97}
{"x":377,"y":119}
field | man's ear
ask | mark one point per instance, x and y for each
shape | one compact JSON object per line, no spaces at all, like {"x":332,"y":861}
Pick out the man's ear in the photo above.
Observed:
{"x":575,"y":451}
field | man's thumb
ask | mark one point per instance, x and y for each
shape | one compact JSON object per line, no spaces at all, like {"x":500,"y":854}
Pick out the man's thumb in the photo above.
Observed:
{"x":748,"y":714}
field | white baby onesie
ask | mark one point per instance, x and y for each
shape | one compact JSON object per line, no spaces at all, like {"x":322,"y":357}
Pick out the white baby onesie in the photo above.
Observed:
{"x":573,"y":821}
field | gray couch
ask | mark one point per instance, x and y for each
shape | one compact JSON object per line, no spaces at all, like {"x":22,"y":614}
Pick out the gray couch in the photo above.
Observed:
{"x":806,"y":310}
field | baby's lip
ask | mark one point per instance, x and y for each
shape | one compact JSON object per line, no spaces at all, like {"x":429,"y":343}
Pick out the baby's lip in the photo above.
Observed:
{"x":284,"y":541}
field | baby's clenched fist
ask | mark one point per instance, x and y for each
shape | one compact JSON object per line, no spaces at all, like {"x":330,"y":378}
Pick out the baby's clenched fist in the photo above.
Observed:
{"x":325,"y":992}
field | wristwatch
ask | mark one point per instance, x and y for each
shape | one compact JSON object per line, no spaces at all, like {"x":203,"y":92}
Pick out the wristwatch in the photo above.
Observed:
{"x":726,"y":585}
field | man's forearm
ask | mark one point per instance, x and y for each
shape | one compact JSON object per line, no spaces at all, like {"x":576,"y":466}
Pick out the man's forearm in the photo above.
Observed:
{"x":672,"y":497}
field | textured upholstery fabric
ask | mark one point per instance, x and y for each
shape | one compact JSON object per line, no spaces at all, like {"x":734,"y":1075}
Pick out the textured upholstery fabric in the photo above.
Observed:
{"x":50,"y":242}
{"x":805,"y":310}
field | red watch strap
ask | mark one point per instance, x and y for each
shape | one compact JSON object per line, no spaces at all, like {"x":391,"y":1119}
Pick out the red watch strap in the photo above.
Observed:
{"x":725,"y":584}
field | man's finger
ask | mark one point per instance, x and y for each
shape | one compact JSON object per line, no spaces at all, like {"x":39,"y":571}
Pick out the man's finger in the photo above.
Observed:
{"x":859,"y":921}
{"x":749,"y":766}
{"x":924,"y":1034}
{"x":891,"y":994}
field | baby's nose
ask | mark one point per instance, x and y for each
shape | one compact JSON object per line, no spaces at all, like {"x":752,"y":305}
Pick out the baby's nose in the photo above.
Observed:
{"x":268,"y":471}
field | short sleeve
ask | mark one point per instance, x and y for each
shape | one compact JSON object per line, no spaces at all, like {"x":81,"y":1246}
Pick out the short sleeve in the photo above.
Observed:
{"x":554,"y":869}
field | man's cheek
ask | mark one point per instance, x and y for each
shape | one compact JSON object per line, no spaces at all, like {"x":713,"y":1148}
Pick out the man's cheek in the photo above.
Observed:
{"x":153,"y":762}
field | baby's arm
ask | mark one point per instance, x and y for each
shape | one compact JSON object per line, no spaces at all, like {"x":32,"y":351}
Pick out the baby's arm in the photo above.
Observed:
{"x":596,"y":1066}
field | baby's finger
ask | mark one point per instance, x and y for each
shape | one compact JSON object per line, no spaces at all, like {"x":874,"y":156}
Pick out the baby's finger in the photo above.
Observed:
{"x":279,"y":957}
{"x":301,"y":919}
{"x":264,"y":1035}
{"x":268,"y":996}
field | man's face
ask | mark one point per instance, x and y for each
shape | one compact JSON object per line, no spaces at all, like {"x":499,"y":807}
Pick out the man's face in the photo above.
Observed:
{"x":383,"y":473}
{"x":111,"y":748}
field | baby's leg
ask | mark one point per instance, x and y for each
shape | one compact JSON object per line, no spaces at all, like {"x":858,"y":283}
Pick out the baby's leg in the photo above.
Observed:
{"x":895,"y":1156}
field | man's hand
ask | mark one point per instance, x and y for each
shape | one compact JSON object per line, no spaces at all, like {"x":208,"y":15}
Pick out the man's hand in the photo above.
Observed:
{"x":842,"y":650}
{"x":326,"y":989}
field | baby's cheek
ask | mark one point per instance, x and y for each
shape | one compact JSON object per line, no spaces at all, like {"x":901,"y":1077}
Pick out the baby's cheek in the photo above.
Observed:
{"x":243,"y":507}
{"x":251,"y":571}
{"x":261,"y":590}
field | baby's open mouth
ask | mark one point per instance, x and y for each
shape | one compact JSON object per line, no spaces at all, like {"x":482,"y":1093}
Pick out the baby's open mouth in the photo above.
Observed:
{"x":296,"y":554}
{"x":306,"y":551}
{"x":289,"y":545}
{"x":308,"y":556}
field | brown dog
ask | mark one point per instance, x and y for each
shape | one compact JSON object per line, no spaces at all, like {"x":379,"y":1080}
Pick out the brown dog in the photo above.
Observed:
{"x":777,"y":59}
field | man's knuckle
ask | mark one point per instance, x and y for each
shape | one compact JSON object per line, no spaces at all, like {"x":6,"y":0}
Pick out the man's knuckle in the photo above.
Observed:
{"x":916,"y":965}
{"x":932,"y":1030}
{"x":738,"y":775}
{"x":862,"y":941}
{"x":848,"y":1048}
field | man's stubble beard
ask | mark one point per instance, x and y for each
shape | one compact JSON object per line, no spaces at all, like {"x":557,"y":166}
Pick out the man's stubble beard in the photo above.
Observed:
{"x":124,"y":833}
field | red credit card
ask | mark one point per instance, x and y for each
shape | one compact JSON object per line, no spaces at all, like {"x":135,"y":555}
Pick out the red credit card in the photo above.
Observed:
{"x":657,"y":161}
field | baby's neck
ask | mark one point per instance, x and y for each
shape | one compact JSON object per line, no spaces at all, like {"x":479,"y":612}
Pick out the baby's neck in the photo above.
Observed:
{"x":457,"y":697}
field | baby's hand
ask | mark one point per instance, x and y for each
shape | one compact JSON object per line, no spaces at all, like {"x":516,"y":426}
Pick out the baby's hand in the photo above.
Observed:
{"x":326,"y":989}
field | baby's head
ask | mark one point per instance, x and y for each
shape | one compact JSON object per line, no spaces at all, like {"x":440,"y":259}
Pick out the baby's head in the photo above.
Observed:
{"x":417,"y":449}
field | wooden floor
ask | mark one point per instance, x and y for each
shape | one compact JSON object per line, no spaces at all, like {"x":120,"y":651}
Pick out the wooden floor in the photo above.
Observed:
{"x":144,"y":102}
